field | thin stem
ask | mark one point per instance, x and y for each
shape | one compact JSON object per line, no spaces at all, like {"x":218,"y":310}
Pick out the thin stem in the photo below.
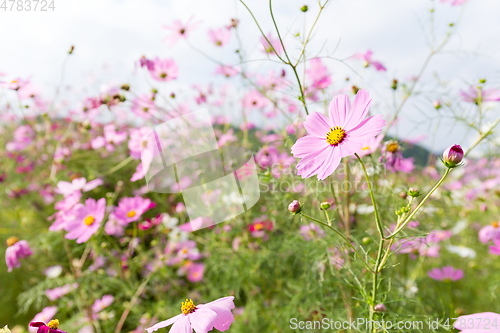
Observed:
{"x":377,"y":219}
{"x":403,"y":225}
{"x":343,"y":237}
{"x":118,"y":166}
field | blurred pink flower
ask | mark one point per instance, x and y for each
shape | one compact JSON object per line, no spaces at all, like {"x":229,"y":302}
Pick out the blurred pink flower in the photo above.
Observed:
{"x":202,"y":318}
{"x":163,"y":69}
{"x":474,"y":95}
{"x":78,"y":184}
{"x":227,"y":70}
{"x":254,"y":100}
{"x":101,"y":304}
{"x":180,"y":30}
{"x":86,"y":220}
{"x":489,"y":233}
{"x":130,"y":209}
{"x":367,"y":60}
{"x":370,"y":145}
{"x":454,"y":2}
{"x":331,"y":139}
{"x":219,"y":36}
{"x":273,"y":43}
{"x":317,"y":72}
{"x":17,"y":249}
{"x":195,"y":272}
{"x":144,"y":106}
{"x":311,"y":231}
{"x":495,"y":249}
{"x":114,"y":227}
{"x":58,"y":292}
{"x":485,"y":322}
{"x":446,"y":273}
{"x":23,"y":137}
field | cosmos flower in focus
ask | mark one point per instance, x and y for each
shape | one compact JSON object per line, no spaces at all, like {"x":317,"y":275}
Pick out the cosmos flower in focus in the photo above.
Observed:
{"x":86,"y":220}
{"x":180,"y":30}
{"x":17,"y":249}
{"x":446,"y":273}
{"x":51,"y":327}
{"x":340,"y":135}
{"x":45,"y":316}
{"x":202,"y":318}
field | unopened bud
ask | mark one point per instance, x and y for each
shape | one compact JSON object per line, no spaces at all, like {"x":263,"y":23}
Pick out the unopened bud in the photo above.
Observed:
{"x":394,"y":85}
{"x":437,"y":104}
{"x":366,"y":240}
{"x":412,"y":192}
{"x":71,"y":49}
{"x":304,"y":8}
{"x":125,"y":87}
{"x":380,"y":308}
{"x":482,"y":81}
{"x":453,"y":156}
{"x":325,"y":205}
{"x":355,"y":90}
{"x":294,"y":207}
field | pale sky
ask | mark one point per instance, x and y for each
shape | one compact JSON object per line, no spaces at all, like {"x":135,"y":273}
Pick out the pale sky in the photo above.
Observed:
{"x":110,"y":36}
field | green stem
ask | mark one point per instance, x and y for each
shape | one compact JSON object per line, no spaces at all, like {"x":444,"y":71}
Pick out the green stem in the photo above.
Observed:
{"x":377,"y":219}
{"x":403,"y":225}
{"x":343,"y":237}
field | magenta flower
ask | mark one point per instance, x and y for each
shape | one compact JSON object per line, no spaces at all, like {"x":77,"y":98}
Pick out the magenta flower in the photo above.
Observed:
{"x":202,"y":318}
{"x":58,"y":292}
{"x":454,"y":2}
{"x":489,"y":233}
{"x":367,"y":60}
{"x":476,"y":95}
{"x":45,"y":316}
{"x":163,"y":69}
{"x":131,"y":209}
{"x":219,"y":36}
{"x":446,"y":273}
{"x":86,"y":220}
{"x":318,"y":73}
{"x":453,"y":156}
{"x":486,"y":322}
{"x":16,"y":250}
{"x":50,"y":327}
{"x":180,"y":30}
{"x":336,"y":137}
{"x":101,"y":304}
{"x":273,"y":43}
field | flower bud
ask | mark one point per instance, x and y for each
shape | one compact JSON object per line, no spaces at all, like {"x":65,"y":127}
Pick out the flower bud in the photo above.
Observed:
{"x":294,"y":207}
{"x":355,"y":90}
{"x":482,"y":81}
{"x":325,"y":205}
{"x":125,"y":87}
{"x":394,"y":85}
{"x":380,"y":308}
{"x":437,"y":104}
{"x":413,"y":192}
{"x":453,"y":156}
{"x":304,"y":8}
{"x":366,"y":240}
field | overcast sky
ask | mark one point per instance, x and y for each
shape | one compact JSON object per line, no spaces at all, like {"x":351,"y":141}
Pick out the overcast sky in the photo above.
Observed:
{"x":110,"y":36}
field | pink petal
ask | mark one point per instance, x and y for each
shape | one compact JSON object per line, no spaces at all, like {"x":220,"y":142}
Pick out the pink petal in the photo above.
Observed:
{"x":378,"y":66}
{"x":182,"y":325}
{"x":367,"y":129}
{"x":347,"y":148}
{"x":92,"y":185}
{"x":310,"y":163}
{"x":307,"y":144}
{"x":202,"y":320}
{"x":359,"y":109}
{"x":339,"y":108}
{"x":331,"y":163}
{"x":164,"y":323}
{"x":317,"y":124}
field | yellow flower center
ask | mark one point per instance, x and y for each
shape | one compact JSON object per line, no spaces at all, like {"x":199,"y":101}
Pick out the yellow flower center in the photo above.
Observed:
{"x":335,"y":136}
{"x":494,"y":224}
{"x":365,"y":148}
{"x":12,"y":240}
{"x":89,"y":220}
{"x":53,"y":324}
{"x":392,"y":147}
{"x":258,"y":226}
{"x":131,"y":213}
{"x":188,"y":307}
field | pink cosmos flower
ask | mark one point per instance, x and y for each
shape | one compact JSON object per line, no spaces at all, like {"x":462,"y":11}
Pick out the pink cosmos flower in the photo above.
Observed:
{"x":17,"y":249}
{"x":336,"y":137}
{"x":130,"y":209}
{"x":144,"y":106}
{"x":311,"y":231}
{"x":86,"y":220}
{"x":45,"y":316}
{"x":446,"y":273}
{"x":474,"y":95}
{"x":275,"y":42}
{"x":254,"y":100}
{"x":227,"y":70}
{"x":478,"y":323}
{"x":180,"y":30}
{"x":51,"y":327}
{"x":495,"y":249}
{"x":101,"y":304}
{"x":111,"y":138}
{"x":454,"y":2}
{"x":79,"y":184}
{"x":370,"y":145}
{"x":367,"y":60}
{"x":202,"y":318}
{"x":317,"y":72}
{"x":23,"y":137}
{"x":219,"y":36}
{"x":195,"y":272}
{"x":58,"y":292}
{"x":489,"y":233}
{"x":163,"y":69}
